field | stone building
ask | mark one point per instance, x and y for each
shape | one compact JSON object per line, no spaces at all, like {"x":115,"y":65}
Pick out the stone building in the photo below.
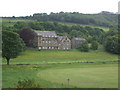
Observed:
{"x":64,"y":42}
{"x":50,"y":40}
{"x":76,"y":42}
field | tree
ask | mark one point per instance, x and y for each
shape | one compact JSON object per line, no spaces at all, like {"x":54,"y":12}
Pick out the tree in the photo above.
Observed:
{"x":112,"y":44}
{"x":84,"y":47}
{"x":74,"y":33}
{"x":28,"y":36}
{"x":94,"y":45}
{"x":12,"y":45}
{"x":111,"y":41}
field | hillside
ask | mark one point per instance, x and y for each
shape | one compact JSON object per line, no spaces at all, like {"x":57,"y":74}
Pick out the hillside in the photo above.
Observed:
{"x":102,"y":19}
{"x":105,"y":19}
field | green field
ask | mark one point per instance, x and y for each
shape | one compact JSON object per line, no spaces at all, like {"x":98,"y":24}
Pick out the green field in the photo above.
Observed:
{"x":97,"y":76}
{"x":56,"y":56}
{"x":55,"y":76}
{"x":52,"y":68}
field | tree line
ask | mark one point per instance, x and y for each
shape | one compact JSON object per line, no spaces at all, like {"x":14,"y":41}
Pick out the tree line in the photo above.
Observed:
{"x":74,"y":30}
{"x":104,"y":18}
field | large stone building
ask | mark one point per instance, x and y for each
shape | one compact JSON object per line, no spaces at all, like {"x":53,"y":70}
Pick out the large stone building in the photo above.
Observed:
{"x":50,"y":40}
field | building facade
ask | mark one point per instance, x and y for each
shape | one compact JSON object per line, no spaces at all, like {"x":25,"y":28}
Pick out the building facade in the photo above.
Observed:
{"x":50,"y":40}
{"x":76,"y":42}
{"x":64,"y":42}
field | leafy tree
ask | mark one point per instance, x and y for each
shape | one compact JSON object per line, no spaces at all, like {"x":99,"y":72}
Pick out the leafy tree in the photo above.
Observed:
{"x":94,"y":45}
{"x":111,"y":41}
{"x":28,"y":36}
{"x":84,"y":47}
{"x":12,"y":45}
{"x":74,"y":33}
{"x":112,"y":45}
{"x":19,"y":25}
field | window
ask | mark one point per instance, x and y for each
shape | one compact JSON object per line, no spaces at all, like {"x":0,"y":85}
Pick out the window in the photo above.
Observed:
{"x":39,"y":47}
{"x":52,"y":47}
{"x":42,"y":41}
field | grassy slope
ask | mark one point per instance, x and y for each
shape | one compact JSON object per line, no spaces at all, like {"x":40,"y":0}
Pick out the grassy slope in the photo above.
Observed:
{"x":11,"y":22}
{"x":70,"y":24}
{"x":54,"y":56}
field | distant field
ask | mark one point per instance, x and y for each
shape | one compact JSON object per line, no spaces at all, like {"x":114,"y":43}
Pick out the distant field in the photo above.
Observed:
{"x":11,"y":22}
{"x":15,"y":20}
{"x":104,"y":28}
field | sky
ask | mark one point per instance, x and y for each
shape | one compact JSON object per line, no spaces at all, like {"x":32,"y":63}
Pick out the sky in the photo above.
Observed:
{"x":29,"y":7}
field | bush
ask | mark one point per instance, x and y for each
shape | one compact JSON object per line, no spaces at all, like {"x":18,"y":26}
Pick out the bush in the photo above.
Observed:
{"x":84,"y":47}
{"x":22,"y":84}
{"x":94,"y":45}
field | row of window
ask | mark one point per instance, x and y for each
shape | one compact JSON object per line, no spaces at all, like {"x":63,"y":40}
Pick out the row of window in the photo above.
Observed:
{"x":47,"y":48}
{"x":48,"y":35}
{"x":49,"y":41}
{"x":52,"y":48}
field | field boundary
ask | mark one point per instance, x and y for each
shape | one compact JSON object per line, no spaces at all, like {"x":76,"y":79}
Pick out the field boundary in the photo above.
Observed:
{"x":71,"y":63}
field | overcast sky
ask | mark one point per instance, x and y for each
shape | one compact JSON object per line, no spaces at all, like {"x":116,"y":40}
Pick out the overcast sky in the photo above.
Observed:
{"x":29,"y":7}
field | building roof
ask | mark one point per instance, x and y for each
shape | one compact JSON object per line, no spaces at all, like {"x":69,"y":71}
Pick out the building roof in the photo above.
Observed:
{"x":46,"y":33}
{"x":61,"y":37}
{"x":80,"y":39}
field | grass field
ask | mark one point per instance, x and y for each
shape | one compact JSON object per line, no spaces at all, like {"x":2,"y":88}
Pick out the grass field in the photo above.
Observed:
{"x":97,"y":76}
{"x":55,"y":76}
{"x":51,"y":69}
{"x":54,"y":56}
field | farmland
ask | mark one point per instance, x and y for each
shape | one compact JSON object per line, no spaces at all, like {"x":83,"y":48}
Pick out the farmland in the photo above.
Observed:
{"x":61,"y":65}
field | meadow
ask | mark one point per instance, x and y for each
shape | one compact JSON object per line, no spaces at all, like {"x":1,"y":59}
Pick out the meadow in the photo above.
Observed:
{"x":53,"y":68}
{"x":61,"y":56}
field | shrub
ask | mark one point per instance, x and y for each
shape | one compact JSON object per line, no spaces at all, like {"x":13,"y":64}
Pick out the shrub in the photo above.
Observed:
{"x":84,"y":47}
{"x":22,"y":84}
{"x":94,"y":45}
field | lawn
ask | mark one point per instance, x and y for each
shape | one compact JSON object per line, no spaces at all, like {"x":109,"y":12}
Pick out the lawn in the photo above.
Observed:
{"x":56,"y":75}
{"x":52,"y":68}
{"x":54,"y":56}
{"x":97,"y":76}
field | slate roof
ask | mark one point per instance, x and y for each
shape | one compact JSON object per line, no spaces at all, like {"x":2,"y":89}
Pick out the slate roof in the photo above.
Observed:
{"x":46,"y":33}
{"x":61,"y":37}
